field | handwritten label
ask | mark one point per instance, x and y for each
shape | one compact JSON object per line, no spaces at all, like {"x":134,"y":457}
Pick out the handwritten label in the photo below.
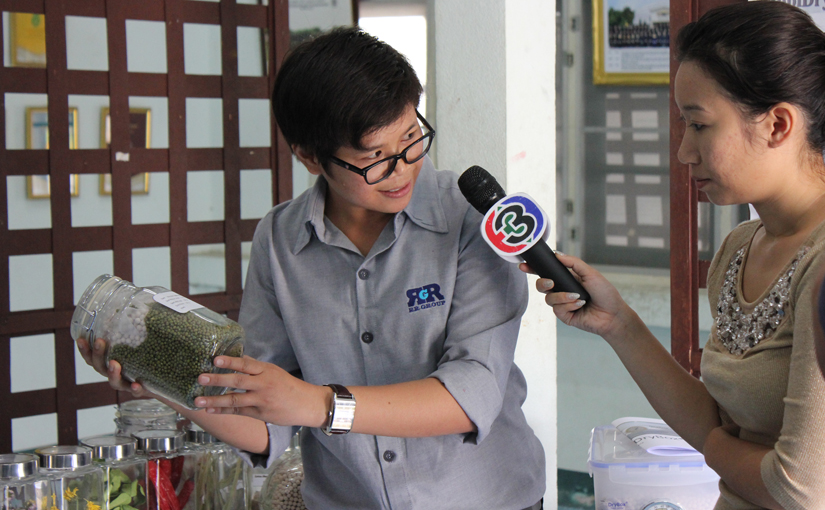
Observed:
{"x":176,"y":302}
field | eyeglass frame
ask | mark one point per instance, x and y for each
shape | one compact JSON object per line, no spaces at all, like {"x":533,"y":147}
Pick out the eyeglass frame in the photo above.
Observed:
{"x":401,"y":155}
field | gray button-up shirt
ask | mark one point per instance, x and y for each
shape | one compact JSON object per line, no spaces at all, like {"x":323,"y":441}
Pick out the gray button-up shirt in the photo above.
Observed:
{"x":431,"y":299}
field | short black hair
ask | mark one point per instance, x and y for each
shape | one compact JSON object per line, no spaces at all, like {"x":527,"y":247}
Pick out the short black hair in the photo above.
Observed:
{"x":334,"y":89}
{"x":761,"y":54}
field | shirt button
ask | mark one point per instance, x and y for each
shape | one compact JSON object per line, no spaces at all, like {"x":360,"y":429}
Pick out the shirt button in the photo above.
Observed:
{"x":367,"y":338}
{"x":363,"y":274}
{"x":389,"y":455}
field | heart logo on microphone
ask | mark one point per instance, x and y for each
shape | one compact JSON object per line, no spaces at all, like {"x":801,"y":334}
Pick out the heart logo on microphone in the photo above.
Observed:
{"x":514,"y":224}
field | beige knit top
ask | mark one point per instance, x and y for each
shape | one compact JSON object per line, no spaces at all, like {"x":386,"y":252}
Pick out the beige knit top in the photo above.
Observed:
{"x":760,"y":366}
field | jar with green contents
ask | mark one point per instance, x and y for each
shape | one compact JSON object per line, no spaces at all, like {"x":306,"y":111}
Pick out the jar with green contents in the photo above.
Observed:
{"x":124,"y":471}
{"x":170,"y":469}
{"x":77,"y":483}
{"x":220,"y":474}
{"x":22,"y":487}
{"x":162,"y":340}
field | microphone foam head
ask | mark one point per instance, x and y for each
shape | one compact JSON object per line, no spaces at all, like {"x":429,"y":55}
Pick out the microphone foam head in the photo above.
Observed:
{"x":480,"y":188}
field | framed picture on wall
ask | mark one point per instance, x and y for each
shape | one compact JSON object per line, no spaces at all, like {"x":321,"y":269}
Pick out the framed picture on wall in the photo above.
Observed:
{"x":27,"y":41}
{"x":37,"y":137}
{"x":631,"y":42}
{"x":140,"y":136}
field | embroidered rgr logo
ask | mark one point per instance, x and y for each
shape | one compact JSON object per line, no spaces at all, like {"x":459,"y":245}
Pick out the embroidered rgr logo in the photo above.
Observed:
{"x":421,"y":298}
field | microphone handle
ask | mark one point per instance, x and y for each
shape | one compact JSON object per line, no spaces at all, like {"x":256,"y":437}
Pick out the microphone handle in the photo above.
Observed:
{"x":543,"y":261}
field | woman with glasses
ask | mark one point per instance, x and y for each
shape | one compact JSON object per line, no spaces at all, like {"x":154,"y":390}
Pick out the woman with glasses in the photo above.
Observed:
{"x":369,"y":315}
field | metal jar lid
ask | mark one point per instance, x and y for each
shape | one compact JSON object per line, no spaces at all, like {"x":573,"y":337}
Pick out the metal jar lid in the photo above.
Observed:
{"x":159,"y":440}
{"x":111,"y":447}
{"x":64,"y":457}
{"x":200,"y":436}
{"x":17,"y":465}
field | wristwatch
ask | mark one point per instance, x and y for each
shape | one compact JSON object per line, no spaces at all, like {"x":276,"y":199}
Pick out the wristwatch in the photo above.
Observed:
{"x":341,"y":412}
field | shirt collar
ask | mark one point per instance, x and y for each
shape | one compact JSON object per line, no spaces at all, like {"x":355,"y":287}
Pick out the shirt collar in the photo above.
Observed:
{"x":424,"y":209}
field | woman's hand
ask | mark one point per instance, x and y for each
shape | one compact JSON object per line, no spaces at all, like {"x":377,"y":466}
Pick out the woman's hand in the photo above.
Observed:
{"x":96,"y":358}
{"x":606,"y":309}
{"x":271,"y":393}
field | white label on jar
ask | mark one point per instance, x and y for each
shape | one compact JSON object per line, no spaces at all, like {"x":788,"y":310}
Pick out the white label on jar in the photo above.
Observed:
{"x":258,"y":480}
{"x":176,"y":302}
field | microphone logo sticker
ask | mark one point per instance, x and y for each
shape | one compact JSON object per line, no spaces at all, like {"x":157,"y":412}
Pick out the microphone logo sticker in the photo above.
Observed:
{"x":514,"y":224}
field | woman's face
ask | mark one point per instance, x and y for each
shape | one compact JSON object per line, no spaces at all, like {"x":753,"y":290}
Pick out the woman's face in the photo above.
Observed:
{"x":725,"y":153}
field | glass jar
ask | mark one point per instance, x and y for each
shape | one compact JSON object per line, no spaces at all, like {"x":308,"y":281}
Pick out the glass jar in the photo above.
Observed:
{"x":282,"y":490}
{"x":22,"y":487}
{"x":161,"y":339}
{"x":170,"y":469}
{"x":77,"y":483}
{"x":123,"y":470}
{"x":145,"y":414}
{"x":220,"y":480}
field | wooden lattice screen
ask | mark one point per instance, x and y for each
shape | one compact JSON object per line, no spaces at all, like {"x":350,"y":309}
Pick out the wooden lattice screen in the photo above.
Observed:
{"x":688,"y":272}
{"x":62,"y":240}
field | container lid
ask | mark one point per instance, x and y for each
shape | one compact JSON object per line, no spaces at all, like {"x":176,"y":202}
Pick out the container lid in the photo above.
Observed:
{"x":17,"y":465}
{"x":159,"y":440}
{"x":199,"y":436}
{"x":65,"y":457}
{"x":111,"y":447}
{"x":609,"y":446}
{"x":147,"y":408}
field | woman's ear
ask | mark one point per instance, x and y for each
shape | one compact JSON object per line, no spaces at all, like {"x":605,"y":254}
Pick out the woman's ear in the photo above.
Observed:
{"x":308,"y":160}
{"x":784,"y":120}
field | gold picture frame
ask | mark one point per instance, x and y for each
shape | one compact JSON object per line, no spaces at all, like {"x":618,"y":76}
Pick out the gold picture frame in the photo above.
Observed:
{"x":27,"y":39}
{"x":37,"y":137}
{"x":628,"y":53}
{"x":140,"y":136}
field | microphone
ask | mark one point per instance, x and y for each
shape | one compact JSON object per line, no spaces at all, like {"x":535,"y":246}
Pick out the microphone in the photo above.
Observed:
{"x":515,"y":227}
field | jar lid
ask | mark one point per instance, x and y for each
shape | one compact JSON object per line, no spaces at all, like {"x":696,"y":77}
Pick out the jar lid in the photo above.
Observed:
{"x":159,"y":440}
{"x":17,"y":465}
{"x":111,"y":447}
{"x":144,"y":408}
{"x":65,"y":457}
{"x":199,"y":436}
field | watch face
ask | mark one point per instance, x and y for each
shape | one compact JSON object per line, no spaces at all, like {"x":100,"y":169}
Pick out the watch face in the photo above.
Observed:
{"x":662,"y":505}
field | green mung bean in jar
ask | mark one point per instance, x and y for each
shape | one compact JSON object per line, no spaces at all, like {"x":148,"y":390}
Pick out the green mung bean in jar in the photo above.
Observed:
{"x":161,"y":339}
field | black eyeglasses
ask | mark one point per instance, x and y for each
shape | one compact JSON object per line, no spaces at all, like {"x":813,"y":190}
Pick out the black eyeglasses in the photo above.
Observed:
{"x":380,"y":170}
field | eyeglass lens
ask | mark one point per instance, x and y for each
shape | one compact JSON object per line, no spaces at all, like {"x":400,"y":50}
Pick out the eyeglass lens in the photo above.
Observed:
{"x":412,"y":154}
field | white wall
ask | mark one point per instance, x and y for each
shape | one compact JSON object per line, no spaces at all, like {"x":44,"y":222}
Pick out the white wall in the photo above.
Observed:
{"x":494,"y":74}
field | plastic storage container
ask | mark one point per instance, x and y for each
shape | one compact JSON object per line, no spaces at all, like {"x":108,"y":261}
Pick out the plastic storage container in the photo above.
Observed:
{"x":22,"y":487}
{"x":170,"y":469}
{"x":627,"y":477}
{"x":123,"y":470}
{"x":162,"y":340}
{"x":145,"y":414}
{"x":220,"y":474}
{"x":76,"y":481}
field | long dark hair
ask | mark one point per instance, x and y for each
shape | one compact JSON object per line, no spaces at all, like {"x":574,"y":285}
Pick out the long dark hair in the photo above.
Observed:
{"x":762,"y":53}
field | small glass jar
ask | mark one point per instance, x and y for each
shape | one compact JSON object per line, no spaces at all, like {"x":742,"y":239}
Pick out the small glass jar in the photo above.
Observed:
{"x":76,"y":481}
{"x":145,"y":414}
{"x":220,"y":474}
{"x":22,"y":487}
{"x":170,"y":468}
{"x":123,"y":470}
{"x":161,"y":339}
{"x":282,"y":490}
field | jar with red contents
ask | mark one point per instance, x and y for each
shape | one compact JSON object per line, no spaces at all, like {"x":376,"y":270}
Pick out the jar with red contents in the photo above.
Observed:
{"x":170,"y":469}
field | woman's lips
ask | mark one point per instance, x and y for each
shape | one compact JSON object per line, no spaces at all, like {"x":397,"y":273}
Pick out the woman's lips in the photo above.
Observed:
{"x":397,"y":192}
